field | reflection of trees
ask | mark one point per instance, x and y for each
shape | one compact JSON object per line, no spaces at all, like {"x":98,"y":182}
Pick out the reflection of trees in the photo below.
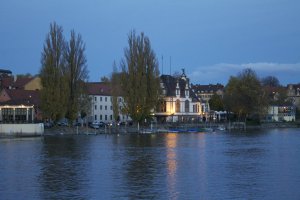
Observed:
{"x":141,"y":167}
{"x":62,"y":168}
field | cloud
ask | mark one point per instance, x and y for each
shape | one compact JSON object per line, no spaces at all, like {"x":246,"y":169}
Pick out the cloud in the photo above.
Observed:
{"x":220,"y":73}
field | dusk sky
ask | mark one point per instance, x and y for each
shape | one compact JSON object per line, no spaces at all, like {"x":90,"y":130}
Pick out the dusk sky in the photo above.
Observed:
{"x":211,"y":39}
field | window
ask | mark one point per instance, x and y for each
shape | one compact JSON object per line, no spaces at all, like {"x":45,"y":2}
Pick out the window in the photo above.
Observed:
{"x":95,"y":98}
{"x":187,"y":106}
{"x":95,"y":117}
{"x":95,"y":107}
{"x":105,"y":99}
{"x":177,"y":106}
{"x":100,"y":117}
{"x":110,"y":107}
{"x":105,"y":117}
{"x":110,"y":117}
{"x":100,"y":107}
{"x":100,"y":98}
{"x":105,"y":107}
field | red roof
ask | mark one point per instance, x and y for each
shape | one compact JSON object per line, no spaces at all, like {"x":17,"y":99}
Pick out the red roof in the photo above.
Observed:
{"x":25,"y":97}
{"x":99,"y":88}
{"x":19,"y":83}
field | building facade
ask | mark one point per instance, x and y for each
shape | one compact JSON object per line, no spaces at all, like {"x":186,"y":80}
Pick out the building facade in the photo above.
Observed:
{"x":178,"y":102}
{"x":101,"y":103}
{"x":293,"y":93}
{"x":281,"y":113}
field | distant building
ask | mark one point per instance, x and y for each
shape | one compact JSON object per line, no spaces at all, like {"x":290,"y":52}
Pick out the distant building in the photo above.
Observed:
{"x":293,"y":93}
{"x":205,"y":92}
{"x":179,"y":102}
{"x":20,"y":99}
{"x":5,"y":73}
{"x":19,"y":106}
{"x":281,"y":113}
{"x":101,"y":105}
{"x":22,"y":83}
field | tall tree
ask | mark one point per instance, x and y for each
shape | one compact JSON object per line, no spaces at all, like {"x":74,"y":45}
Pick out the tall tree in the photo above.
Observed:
{"x":53,"y":93}
{"x":140,"y":77}
{"x":116,"y":92}
{"x":76,"y":74}
{"x":244,"y":95}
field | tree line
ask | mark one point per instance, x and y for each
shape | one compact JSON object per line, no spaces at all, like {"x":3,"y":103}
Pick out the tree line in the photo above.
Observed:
{"x":248,"y":97}
{"x":136,"y":78}
{"x":63,"y":75}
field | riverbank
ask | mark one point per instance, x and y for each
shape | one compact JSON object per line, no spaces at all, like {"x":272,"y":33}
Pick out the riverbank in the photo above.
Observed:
{"x":160,"y":128}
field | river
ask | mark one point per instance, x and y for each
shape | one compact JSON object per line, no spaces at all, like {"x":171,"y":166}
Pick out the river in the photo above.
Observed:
{"x":261,"y":164}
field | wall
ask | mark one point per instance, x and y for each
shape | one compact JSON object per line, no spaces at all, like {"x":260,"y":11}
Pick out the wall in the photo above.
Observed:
{"x":34,"y":84}
{"x":21,"y":129}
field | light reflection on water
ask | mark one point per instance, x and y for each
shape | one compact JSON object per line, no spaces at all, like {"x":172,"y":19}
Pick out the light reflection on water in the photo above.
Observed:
{"x":256,"y":165}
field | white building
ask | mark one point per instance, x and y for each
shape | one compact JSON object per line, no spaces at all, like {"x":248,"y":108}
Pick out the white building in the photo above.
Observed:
{"x":179,"y":103}
{"x":101,"y":105}
{"x":280,"y":113}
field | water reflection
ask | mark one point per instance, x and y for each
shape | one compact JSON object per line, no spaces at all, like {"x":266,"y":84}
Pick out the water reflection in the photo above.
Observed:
{"x":63,"y":169}
{"x":171,"y":144}
{"x":163,"y":166}
{"x":140,"y":166}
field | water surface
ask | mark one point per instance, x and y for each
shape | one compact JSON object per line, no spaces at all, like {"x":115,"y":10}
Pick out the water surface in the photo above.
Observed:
{"x":255,"y":165}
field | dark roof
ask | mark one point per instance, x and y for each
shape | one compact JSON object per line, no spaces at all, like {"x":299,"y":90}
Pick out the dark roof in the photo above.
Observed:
{"x":207,"y":88}
{"x":99,"y":88}
{"x":170,"y":82}
{"x":5,"y":71}
{"x":25,"y":97}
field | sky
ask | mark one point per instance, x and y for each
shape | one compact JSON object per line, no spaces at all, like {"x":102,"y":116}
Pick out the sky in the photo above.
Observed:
{"x":211,"y":39}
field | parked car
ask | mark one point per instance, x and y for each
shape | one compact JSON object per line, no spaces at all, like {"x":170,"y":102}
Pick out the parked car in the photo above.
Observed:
{"x":94,"y":125}
{"x":102,"y":124}
{"x":63,"y":122}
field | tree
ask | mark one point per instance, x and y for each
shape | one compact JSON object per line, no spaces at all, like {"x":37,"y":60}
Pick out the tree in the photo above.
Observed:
{"x":244,"y":95}
{"x":216,"y":103}
{"x":116,"y":91}
{"x":76,"y":74}
{"x":139,"y":78}
{"x":53,"y":93}
{"x":270,"y":81}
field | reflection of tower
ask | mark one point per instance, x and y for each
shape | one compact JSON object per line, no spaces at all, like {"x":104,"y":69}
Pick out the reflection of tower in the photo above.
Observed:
{"x":171,"y":144}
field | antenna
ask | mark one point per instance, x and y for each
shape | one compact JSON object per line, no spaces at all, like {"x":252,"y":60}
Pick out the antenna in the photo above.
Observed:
{"x":162,"y":64}
{"x":170,"y":65}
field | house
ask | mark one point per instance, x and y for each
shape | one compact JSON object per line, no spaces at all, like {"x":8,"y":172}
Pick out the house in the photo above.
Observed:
{"x":21,"y":83}
{"x":19,"y":99}
{"x":179,"y":103}
{"x":19,"y":106}
{"x":293,"y":93}
{"x":101,"y":103}
{"x":205,"y":92}
{"x":281,"y":113}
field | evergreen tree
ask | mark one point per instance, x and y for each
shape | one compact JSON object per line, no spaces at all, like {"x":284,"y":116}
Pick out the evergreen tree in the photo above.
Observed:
{"x":139,"y":78}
